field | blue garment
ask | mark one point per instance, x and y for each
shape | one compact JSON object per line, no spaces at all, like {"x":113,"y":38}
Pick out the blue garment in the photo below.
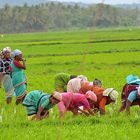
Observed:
{"x":18,"y":80}
{"x":137,"y":82}
{"x":8,"y":86}
{"x":133,"y":95}
{"x":36,"y":99}
{"x":131,"y":79}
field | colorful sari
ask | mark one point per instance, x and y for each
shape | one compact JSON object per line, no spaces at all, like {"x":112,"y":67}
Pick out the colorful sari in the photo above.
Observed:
{"x":7,"y":83}
{"x":5,"y":77}
{"x":36,"y":99}
{"x":19,"y":81}
{"x":8,"y":86}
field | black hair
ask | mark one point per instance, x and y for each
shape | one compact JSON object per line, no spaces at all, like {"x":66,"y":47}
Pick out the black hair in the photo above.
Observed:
{"x":73,"y":76}
{"x":97,"y":82}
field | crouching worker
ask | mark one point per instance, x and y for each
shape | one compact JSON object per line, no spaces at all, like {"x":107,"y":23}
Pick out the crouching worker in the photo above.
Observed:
{"x":73,"y":102}
{"x":104,"y":98}
{"x":130,"y":96}
{"x":38,"y":104}
{"x":74,"y":85}
{"x":86,"y":86}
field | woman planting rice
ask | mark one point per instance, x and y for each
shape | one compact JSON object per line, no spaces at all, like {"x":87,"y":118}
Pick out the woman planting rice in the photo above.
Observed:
{"x":86,"y":86}
{"x":18,"y":77}
{"x":73,"y":102}
{"x":130,"y":95}
{"x":38,"y":104}
{"x":104,"y":97}
{"x":74,"y":84}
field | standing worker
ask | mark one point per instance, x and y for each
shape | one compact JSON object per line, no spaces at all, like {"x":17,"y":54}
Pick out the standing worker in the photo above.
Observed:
{"x":18,"y":77}
{"x":5,"y":74}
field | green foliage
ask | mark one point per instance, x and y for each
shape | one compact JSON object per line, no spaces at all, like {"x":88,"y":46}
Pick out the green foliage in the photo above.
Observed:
{"x":58,"y":16}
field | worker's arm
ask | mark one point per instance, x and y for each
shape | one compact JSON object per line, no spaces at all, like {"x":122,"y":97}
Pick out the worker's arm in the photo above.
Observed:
{"x":38,"y":115}
{"x":45,"y":115}
{"x":102,"y":105}
{"x":84,"y":112}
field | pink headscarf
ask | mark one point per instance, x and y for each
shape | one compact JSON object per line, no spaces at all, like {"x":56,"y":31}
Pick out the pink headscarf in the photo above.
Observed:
{"x":91,"y":95}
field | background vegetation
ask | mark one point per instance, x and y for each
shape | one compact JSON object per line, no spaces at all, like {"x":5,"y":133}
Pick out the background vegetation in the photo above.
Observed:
{"x":58,"y":16}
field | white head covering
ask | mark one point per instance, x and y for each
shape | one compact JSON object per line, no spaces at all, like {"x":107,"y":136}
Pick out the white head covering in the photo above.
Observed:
{"x":16,"y":52}
{"x":6,"y":49}
{"x":112,"y":93}
{"x":74,"y":85}
{"x":82,"y":77}
{"x":57,"y":95}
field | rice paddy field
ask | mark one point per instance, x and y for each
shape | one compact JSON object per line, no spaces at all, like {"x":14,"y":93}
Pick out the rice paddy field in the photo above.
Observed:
{"x":107,"y":54}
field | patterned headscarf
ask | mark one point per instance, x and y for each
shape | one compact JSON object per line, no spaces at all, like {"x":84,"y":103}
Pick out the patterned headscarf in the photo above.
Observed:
{"x":6,"y":49}
{"x":112,"y":93}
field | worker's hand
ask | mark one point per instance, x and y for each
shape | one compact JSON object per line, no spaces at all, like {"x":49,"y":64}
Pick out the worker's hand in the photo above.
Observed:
{"x":86,"y":113}
{"x":45,"y":114}
{"x":23,"y":59}
{"x":102,"y":111}
{"x":95,"y":110}
{"x":38,"y":117}
{"x":18,"y":101}
{"x":138,"y":96}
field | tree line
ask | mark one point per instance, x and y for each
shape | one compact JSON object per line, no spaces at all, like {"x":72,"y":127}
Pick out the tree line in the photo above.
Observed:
{"x":58,"y":16}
